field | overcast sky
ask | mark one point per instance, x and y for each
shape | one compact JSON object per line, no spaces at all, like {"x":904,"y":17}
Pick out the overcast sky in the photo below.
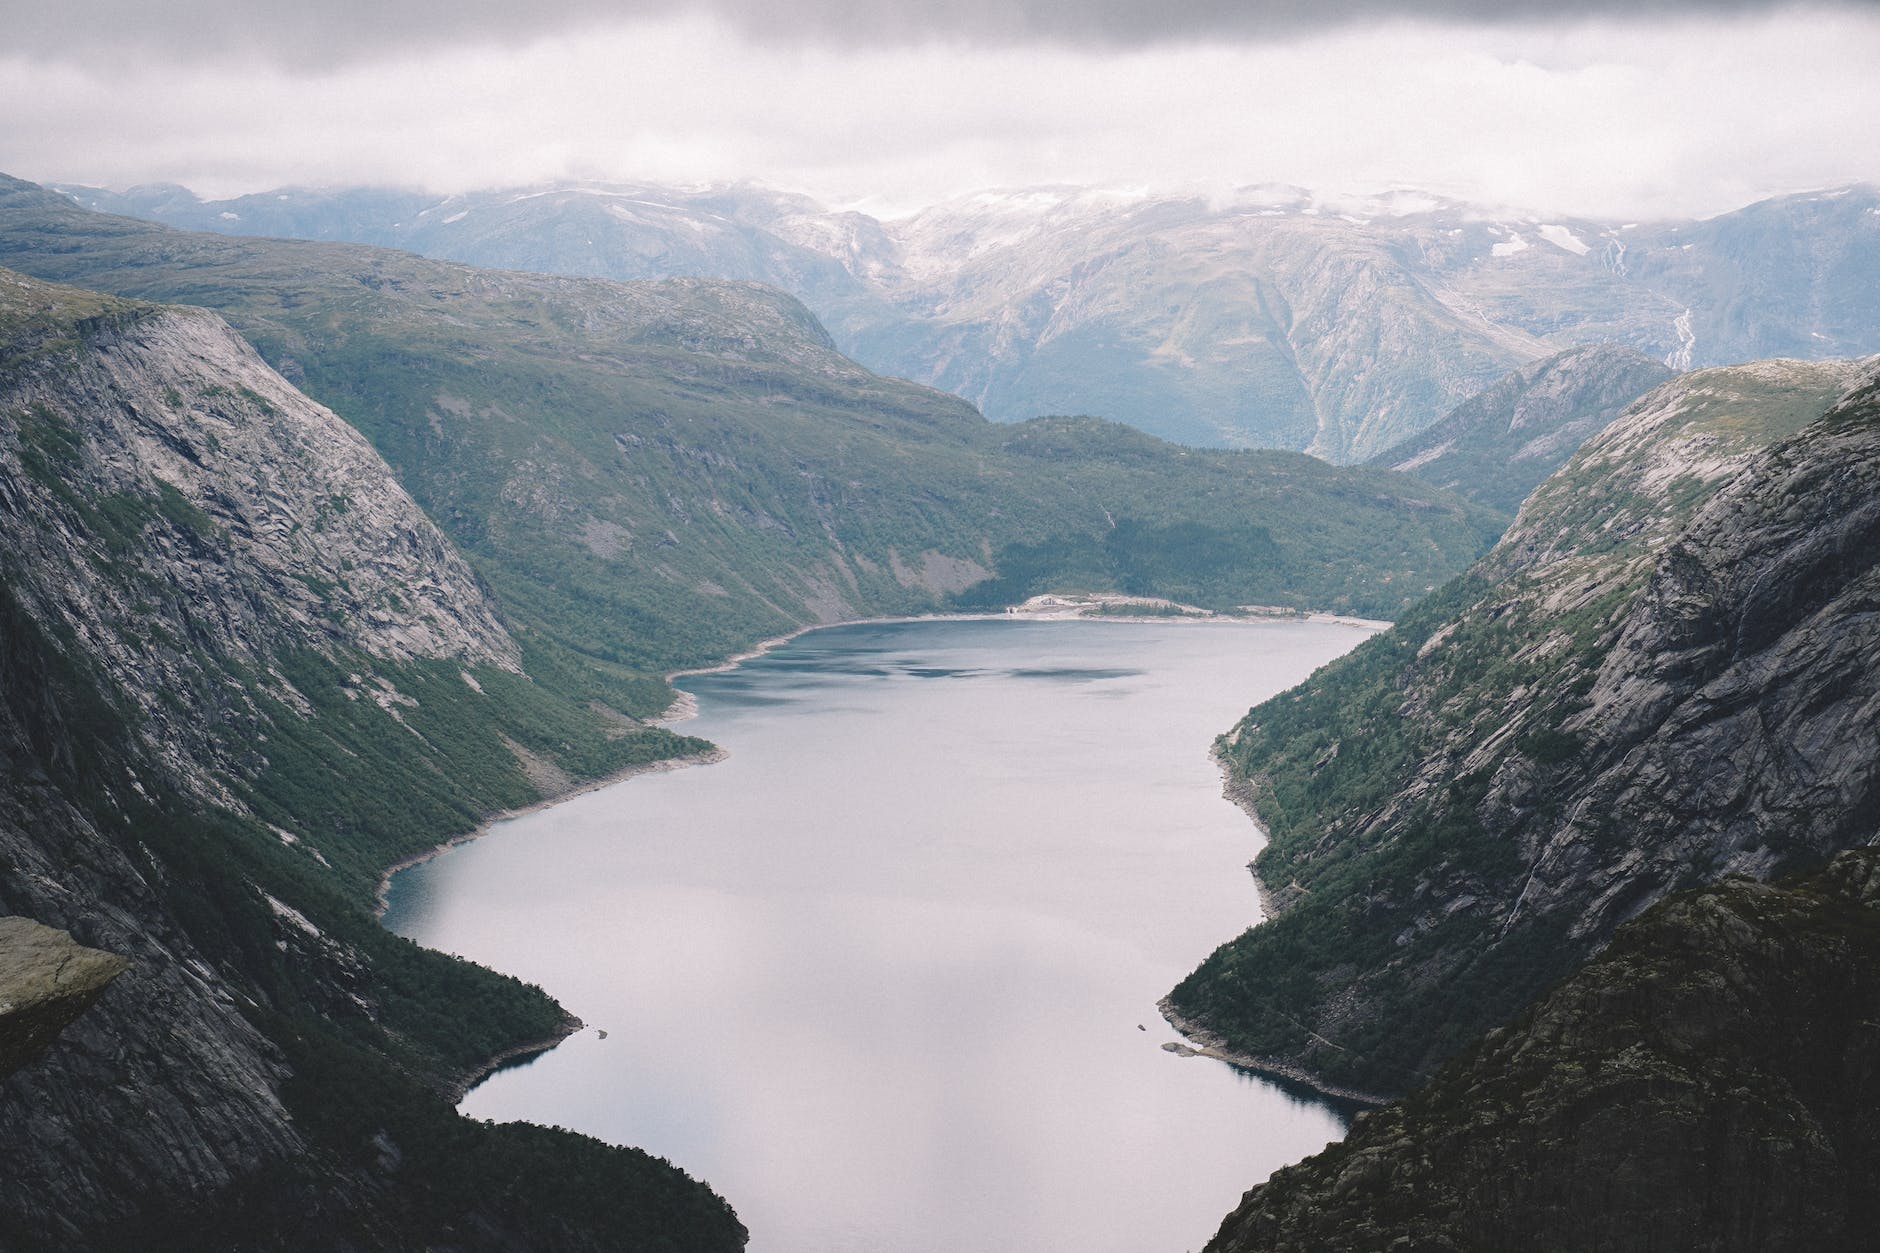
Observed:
{"x":1622,"y":109}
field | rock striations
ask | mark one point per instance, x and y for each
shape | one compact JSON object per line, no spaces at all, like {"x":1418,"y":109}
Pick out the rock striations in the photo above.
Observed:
{"x":1663,"y":674}
{"x":239,"y":672}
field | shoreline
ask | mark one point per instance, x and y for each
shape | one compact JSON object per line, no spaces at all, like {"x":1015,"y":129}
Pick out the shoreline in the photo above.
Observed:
{"x":684,"y":706}
{"x":1209,"y":1044}
{"x":380,"y":894}
{"x":1239,"y":793}
{"x":1204,"y":1042}
{"x":460,"y":1087}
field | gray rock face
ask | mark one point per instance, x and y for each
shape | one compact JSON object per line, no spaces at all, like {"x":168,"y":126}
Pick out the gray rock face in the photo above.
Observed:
{"x":178,"y":519}
{"x":1735,"y":715}
{"x":1664,"y":673}
{"x":46,"y":981}
{"x":221,"y":519}
{"x":160,"y":1097}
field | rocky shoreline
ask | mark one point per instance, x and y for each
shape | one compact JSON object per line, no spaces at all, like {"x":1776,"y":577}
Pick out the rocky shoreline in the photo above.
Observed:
{"x":1205,"y":1043}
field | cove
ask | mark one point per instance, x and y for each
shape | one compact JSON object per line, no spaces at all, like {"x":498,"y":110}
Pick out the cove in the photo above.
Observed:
{"x":886,"y":976}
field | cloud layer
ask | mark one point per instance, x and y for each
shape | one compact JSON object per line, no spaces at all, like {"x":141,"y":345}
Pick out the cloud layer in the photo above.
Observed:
{"x":1679,"y":116}
{"x":315,"y":35}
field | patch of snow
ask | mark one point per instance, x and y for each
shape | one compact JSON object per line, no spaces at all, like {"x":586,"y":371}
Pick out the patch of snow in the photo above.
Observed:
{"x":458,"y":216}
{"x":1508,"y":247}
{"x":1561,"y":237}
{"x":229,"y":217}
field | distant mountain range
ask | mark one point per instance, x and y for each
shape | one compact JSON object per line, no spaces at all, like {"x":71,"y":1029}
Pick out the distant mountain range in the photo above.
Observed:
{"x":1269,"y":319}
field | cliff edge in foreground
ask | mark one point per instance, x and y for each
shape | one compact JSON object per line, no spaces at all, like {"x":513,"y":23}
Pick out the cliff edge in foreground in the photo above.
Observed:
{"x":1711,"y":1081}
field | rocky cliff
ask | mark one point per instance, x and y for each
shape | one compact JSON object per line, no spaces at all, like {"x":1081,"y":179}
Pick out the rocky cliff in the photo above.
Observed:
{"x":1663,"y":674}
{"x":1709,"y":1081}
{"x":46,"y":981}
{"x":239,"y":672}
{"x":1499,"y":445}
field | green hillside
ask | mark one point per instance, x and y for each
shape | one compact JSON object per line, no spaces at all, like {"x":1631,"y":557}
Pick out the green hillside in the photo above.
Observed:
{"x":652,"y":475}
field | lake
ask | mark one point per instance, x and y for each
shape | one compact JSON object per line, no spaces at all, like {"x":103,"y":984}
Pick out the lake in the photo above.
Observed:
{"x":886,"y":976}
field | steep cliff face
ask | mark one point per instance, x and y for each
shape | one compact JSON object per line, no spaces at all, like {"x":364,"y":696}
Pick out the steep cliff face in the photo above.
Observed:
{"x":1499,"y":445}
{"x":212,"y":519}
{"x":1661,"y":675}
{"x":1710,"y":1081}
{"x":240,"y":672}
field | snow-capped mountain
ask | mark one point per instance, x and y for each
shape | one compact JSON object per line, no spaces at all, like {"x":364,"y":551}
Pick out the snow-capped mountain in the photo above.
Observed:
{"x":1264,"y":317}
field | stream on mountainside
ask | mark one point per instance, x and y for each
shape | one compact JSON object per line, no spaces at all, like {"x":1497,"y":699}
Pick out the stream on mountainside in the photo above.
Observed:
{"x":886,"y":977}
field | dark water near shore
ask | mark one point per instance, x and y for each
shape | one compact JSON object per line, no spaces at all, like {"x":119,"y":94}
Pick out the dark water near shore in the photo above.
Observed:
{"x":878,"y":977}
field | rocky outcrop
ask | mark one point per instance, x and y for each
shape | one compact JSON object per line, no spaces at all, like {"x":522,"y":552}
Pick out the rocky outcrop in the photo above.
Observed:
{"x":1499,"y":445}
{"x":240,"y":672}
{"x":212,"y":517}
{"x":1710,"y":1081}
{"x":46,"y":981}
{"x":1663,"y":674}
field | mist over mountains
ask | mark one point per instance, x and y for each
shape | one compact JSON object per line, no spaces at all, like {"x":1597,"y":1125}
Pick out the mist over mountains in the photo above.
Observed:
{"x":1270,"y":318}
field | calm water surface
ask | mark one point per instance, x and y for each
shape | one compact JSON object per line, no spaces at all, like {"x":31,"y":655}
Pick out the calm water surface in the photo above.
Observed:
{"x":878,"y":977}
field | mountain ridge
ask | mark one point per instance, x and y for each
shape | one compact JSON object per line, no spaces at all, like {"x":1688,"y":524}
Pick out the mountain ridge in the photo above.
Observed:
{"x":1469,"y":804}
{"x":1268,"y":318}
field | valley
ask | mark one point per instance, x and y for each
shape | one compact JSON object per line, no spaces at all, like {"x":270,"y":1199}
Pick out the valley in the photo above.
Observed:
{"x":322,"y":554}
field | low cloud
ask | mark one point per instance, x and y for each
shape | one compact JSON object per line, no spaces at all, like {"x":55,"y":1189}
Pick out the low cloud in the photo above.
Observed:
{"x":311,"y":36}
{"x":1638,"y":120}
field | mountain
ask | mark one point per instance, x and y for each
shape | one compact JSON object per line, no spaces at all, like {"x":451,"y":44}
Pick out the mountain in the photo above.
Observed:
{"x":1265,"y":318}
{"x":240,"y":672}
{"x":1707,"y":1082}
{"x":1497,"y":446}
{"x":1662,"y":674}
{"x":655,"y":475}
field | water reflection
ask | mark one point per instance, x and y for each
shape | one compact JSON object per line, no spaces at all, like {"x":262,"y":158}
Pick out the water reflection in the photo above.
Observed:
{"x":886,"y":977}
